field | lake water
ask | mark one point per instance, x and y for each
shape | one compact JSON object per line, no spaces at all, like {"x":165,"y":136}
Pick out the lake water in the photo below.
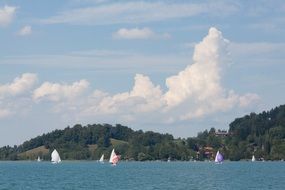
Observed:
{"x":142,"y":175}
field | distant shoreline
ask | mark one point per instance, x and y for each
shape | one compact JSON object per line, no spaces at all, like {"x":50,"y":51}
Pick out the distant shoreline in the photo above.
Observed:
{"x":125,"y":161}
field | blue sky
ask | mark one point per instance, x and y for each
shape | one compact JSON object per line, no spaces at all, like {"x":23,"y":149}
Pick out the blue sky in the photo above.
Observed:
{"x":177,"y":67}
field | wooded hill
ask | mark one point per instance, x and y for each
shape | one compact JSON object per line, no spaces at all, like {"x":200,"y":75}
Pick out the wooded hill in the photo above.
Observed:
{"x":260,"y":134}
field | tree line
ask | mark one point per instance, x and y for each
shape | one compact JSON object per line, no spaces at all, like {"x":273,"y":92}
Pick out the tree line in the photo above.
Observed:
{"x":260,"y":134}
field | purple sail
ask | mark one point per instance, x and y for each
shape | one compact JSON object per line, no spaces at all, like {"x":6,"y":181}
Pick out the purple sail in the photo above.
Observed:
{"x":219,"y":157}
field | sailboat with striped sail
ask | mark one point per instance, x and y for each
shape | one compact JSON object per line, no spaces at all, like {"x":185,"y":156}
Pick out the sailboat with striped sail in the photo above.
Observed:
{"x":114,"y":158}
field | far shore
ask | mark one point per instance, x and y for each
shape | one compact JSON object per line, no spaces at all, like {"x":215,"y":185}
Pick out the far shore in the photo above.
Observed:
{"x":124,"y":161}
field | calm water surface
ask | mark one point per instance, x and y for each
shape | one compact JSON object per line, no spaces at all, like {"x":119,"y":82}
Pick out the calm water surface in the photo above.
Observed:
{"x":142,"y":175}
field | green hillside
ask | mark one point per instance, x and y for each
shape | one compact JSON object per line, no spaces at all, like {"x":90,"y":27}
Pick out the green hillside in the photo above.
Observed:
{"x":260,"y":134}
{"x":32,"y":154}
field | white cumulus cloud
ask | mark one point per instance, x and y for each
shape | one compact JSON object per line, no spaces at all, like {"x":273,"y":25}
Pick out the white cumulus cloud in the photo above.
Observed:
{"x":15,"y":96}
{"x":19,"y":85}
{"x":6,"y":15}
{"x":200,"y":80}
{"x":194,"y":92}
{"x":199,"y":85}
{"x":134,"y":33}
{"x":144,"y":97}
{"x":57,"y":92}
{"x":25,"y":31}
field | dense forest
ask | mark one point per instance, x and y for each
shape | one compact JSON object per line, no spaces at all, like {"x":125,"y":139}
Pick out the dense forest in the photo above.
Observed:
{"x":260,"y":134}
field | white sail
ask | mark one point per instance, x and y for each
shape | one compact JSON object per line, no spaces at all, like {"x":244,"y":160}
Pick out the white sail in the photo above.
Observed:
{"x":114,"y":158}
{"x":253,"y":158}
{"x":55,"y":158}
{"x":216,"y":158}
{"x":102,"y":158}
{"x":39,"y":159}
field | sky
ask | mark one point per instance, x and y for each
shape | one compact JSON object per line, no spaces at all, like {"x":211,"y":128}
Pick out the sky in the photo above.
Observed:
{"x":176,"y":67}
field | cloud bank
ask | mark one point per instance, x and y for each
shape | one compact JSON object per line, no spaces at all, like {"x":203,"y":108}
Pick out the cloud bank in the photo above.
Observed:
{"x":195,"y":92}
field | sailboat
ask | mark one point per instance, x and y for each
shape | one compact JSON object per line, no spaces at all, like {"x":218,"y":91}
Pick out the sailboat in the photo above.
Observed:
{"x":219,"y":158}
{"x":39,"y":159}
{"x":168,"y":160}
{"x":253,"y":158}
{"x":102,"y":159}
{"x":114,"y":158}
{"x":55,"y":158}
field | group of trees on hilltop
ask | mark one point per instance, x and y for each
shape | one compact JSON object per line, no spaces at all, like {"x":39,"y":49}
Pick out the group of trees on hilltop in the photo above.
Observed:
{"x":75,"y":143}
{"x":260,"y":134}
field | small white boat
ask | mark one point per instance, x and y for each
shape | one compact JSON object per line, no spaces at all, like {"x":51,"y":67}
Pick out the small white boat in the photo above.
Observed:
{"x":55,"y":158}
{"x":253,"y":158}
{"x":39,"y":159}
{"x":114,"y":158}
{"x":102,"y":159}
